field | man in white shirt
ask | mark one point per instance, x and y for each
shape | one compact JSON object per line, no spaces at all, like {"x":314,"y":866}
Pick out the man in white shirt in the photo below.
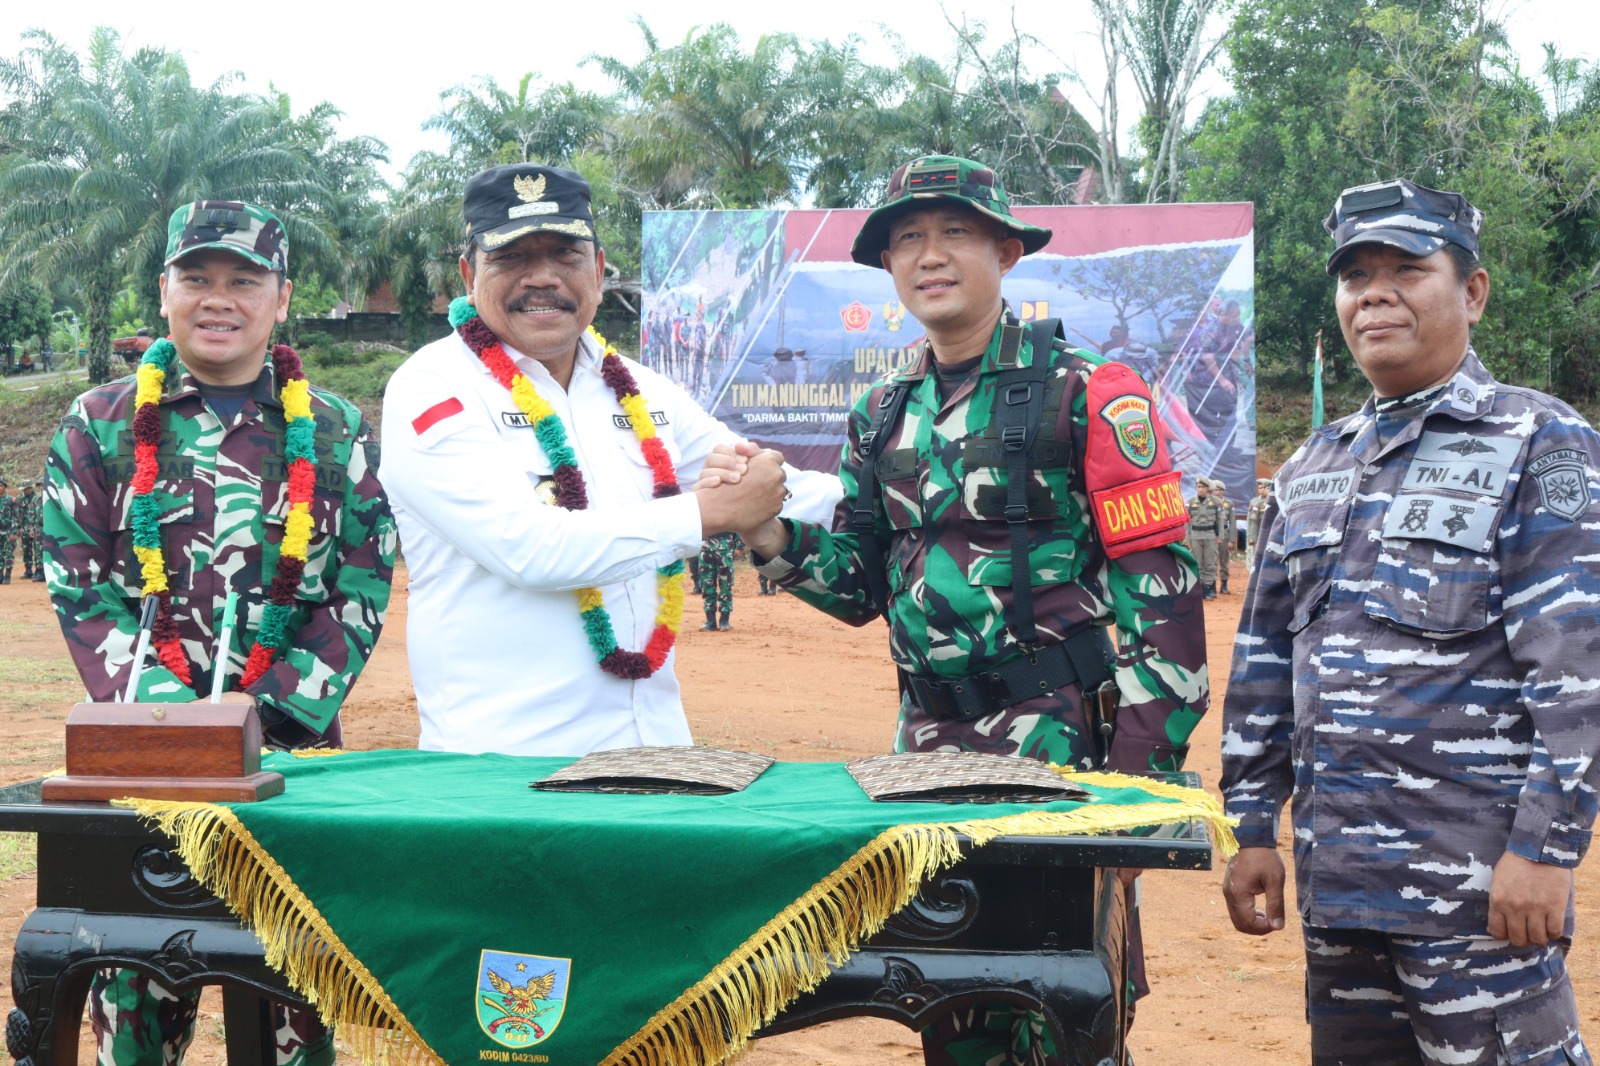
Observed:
{"x":527,"y":492}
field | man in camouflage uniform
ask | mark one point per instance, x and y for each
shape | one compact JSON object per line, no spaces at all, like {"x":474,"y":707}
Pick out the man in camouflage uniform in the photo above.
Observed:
{"x":30,"y":529}
{"x":993,"y":659}
{"x":223,"y":489}
{"x":1227,"y":530}
{"x":1252,"y":520}
{"x":1415,"y":665}
{"x":715,"y":578}
{"x":1205,"y":528}
{"x":8,"y":521}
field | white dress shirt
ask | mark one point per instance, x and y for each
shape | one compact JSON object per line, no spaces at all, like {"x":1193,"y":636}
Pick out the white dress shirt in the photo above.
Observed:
{"x":499,"y":658}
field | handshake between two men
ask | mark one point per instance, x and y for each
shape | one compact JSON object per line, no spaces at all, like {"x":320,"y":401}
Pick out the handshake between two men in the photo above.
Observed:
{"x":741,"y":490}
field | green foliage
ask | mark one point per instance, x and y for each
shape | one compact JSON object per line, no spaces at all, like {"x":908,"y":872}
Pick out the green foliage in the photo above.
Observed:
{"x":1334,"y":93}
{"x":24,"y":315}
{"x":358,"y":376}
{"x":110,"y":143}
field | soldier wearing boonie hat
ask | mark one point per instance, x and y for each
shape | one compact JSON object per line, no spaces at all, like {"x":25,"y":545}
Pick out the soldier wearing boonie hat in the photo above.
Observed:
{"x":1413,"y":669}
{"x":944,"y":179}
{"x":221,"y":422}
{"x":960,"y":472}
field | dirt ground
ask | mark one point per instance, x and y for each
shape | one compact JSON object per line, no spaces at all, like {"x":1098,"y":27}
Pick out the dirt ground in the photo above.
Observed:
{"x":794,"y":684}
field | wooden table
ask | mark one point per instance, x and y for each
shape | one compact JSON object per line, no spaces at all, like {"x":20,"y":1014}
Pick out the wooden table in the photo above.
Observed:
{"x":1034,"y":921}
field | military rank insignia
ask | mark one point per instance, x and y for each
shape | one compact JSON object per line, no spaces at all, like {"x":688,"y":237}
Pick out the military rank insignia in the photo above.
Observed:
{"x":520,"y":998}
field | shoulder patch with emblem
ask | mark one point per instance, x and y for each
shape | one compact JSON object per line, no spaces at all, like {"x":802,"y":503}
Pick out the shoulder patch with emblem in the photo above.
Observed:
{"x":1133,"y":490}
{"x":1563,"y":480}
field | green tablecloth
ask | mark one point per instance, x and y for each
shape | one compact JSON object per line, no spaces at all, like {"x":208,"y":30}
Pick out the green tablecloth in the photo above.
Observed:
{"x":437,"y":908}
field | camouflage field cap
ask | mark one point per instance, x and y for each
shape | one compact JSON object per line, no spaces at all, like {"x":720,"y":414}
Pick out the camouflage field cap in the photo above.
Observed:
{"x":936,"y":177}
{"x":504,"y":203}
{"x":244,"y":229}
{"x":1403,"y":215}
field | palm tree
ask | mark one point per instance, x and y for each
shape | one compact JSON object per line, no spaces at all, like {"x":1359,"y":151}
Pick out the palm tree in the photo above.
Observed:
{"x":715,"y":126}
{"x":489,"y":125}
{"x":130,"y":140}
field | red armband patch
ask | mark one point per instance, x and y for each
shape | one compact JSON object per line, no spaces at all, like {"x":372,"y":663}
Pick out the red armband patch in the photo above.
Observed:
{"x":1133,"y":490}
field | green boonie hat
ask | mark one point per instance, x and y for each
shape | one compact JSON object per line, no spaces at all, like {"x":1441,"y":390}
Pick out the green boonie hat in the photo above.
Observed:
{"x":941,"y":177}
{"x":244,"y":229}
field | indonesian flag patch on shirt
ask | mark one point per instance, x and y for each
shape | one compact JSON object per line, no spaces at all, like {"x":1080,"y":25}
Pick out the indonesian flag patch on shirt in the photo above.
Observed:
{"x":439,"y":412}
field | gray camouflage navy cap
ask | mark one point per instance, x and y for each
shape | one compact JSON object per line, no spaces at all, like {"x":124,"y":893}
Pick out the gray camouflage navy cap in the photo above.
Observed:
{"x":243,"y":229}
{"x":1403,"y":215}
{"x":941,"y":177}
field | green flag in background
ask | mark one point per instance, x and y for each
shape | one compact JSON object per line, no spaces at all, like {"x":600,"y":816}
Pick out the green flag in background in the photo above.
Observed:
{"x":1316,"y":386}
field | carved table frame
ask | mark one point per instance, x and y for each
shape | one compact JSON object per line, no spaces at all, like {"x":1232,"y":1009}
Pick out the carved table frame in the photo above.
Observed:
{"x":1035,"y":921}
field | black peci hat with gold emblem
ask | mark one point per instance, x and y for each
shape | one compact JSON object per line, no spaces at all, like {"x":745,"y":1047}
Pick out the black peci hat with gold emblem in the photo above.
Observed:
{"x":508,"y":202}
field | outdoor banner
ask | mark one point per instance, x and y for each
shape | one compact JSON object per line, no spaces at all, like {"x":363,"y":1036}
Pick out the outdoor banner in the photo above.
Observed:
{"x":762,"y":316}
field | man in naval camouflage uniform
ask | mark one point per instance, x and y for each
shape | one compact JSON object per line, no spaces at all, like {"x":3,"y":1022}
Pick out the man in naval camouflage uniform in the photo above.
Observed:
{"x":993,"y":659}
{"x":8,"y":522}
{"x":1252,"y":520}
{"x":30,"y":529}
{"x":1227,"y":530}
{"x":715,"y":579}
{"x":223,"y":489}
{"x":1205,"y":525}
{"x":1416,"y":666}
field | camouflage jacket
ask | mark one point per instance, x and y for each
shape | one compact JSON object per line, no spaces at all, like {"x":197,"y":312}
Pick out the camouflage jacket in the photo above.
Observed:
{"x":1415,"y":662}
{"x":9,"y":517}
{"x":941,"y":517}
{"x":224,"y":496}
{"x":28,"y":515}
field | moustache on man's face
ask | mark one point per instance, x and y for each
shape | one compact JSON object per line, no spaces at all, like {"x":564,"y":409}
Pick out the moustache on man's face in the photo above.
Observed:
{"x":542,"y":301}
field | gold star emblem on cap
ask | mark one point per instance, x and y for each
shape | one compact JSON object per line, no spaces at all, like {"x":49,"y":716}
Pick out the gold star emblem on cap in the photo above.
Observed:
{"x":529,"y":189}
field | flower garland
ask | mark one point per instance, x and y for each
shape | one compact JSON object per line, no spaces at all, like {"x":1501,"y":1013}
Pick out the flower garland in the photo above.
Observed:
{"x":572,"y":495}
{"x":299,"y":452}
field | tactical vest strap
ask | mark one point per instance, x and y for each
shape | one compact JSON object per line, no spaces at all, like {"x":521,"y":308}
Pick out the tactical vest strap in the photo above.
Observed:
{"x":1018,"y":403}
{"x":863,"y":517}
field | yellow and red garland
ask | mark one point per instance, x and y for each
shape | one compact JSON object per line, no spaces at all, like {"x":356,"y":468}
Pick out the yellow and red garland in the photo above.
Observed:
{"x":301,"y":456}
{"x":572,"y":495}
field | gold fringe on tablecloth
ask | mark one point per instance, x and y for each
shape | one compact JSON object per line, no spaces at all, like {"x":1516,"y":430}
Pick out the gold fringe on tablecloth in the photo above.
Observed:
{"x":712,"y":1020}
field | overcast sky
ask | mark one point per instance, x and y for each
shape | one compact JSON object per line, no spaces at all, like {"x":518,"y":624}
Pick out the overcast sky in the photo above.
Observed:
{"x":385,"y":66}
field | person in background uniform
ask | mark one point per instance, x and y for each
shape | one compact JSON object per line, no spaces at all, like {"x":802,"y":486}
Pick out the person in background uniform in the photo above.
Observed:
{"x":938,"y":548}
{"x":1252,"y":520}
{"x":1205,"y":524}
{"x":1415,"y":666}
{"x":30,"y":528}
{"x":716,"y":579}
{"x":196,"y":462}
{"x":8,"y":524}
{"x":1227,"y":531}
{"x":572,"y":533}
